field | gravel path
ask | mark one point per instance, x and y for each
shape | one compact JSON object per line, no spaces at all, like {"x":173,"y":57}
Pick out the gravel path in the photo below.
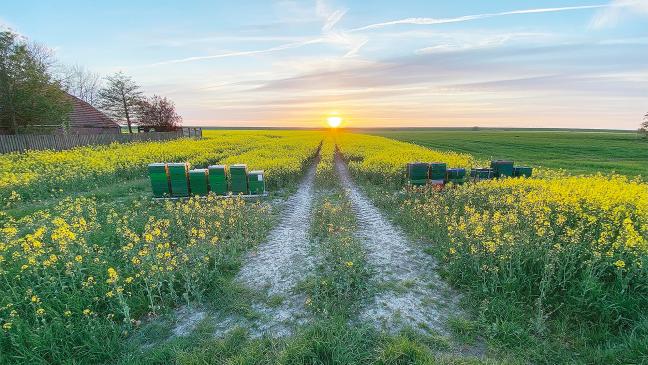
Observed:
{"x":412,"y":294}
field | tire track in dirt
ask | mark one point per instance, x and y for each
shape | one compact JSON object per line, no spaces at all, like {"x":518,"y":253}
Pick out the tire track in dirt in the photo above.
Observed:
{"x":411,"y":293}
{"x":276,"y":267}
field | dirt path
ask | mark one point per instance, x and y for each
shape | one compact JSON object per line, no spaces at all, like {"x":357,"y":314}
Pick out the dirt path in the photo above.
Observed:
{"x":412,"y":294}
{"x":278,"y":265}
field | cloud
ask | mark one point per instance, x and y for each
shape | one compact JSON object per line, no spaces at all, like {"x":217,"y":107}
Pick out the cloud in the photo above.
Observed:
{"x":462,"y":42}
{"x":329,"y":35}
{"x":333,"y":19}
{"x":465,"y":18}
{"x":557,"y":68}
{"x":181,"y":42}
{"x":243,"y":53}
{"x":617,"y":10}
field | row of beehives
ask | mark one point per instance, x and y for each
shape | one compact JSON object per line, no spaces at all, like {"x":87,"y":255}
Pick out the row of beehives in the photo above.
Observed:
{"x":174,"y":180}
{"x":421,"y":173}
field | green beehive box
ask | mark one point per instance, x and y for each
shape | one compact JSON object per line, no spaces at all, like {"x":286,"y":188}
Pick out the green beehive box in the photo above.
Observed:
{"x":456,"y":176}
{"x":198,"y":181}
{"x":178,"y":175}
{"x":417,"y":173}
{"x":522,"y":171}
{"x":159,"y":175}
{"x":239,"y":179}
{"x":482,"y":174}
{"x":256,"y":182}
{"x":218,"y":179}
{"x":502,"y":168}
{"x":437,"y":170}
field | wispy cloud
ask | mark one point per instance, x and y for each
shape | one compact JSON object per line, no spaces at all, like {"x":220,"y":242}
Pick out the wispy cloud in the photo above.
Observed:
{"x":181,"y":42}
{"x":472,"y":41}
{"x":465,"y":18}
{"x":617,"y":10}
{"x":243,"y":53}
{"x":333,"y":19}
{"x":329,"y":35}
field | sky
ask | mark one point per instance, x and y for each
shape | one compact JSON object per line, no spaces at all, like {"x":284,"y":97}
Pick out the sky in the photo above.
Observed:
{"x":383,"y":63}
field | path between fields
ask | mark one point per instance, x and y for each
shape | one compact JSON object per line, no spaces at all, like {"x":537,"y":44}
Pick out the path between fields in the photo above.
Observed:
{"x":274,"y":269}
{"x":411,"y":294}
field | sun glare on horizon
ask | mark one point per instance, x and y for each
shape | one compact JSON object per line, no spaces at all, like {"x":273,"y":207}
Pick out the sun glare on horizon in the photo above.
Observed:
{"x":334,"y":122}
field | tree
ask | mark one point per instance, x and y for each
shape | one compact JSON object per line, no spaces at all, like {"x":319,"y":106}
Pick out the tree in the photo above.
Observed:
{"x":121,"y":99}
{"x":29,"y":96}
{"x":643,"y":129}
{"x":82,"y":83}
{"x":159,"y":111}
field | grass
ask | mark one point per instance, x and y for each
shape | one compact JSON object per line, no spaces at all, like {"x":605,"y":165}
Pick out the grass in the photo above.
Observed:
{"x":580,"y":152}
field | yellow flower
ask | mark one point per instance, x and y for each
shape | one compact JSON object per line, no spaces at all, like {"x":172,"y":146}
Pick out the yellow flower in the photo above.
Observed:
{"x":7,"y":326}
{"x":87,"y":312}
{"x":349,"y":263}
{"x":78,"y":258}
{"x":67,"y":313}
{"x":35,"y":299}
{"x":112,"y":276}
{"x":40,"y":312}
{"x":619,"y":263}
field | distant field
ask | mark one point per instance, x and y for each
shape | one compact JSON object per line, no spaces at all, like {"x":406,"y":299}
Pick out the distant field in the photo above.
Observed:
{"x":581,"y":152}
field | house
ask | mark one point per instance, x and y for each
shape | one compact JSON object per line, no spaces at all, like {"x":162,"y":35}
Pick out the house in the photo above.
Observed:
{"x":85,"y":119}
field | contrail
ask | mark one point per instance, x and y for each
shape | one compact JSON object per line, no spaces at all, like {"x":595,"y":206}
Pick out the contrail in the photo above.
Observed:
{"x":465,"y":18}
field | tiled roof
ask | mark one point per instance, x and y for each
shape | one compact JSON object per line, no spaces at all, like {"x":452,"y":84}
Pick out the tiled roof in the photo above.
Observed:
{"x":84,"y":115}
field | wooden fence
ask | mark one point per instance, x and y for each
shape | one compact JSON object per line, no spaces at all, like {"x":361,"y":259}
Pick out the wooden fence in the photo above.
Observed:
{"x":24,"y":142}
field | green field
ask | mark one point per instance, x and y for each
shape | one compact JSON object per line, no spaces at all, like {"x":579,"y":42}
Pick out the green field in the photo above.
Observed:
{"x":581,"y":152}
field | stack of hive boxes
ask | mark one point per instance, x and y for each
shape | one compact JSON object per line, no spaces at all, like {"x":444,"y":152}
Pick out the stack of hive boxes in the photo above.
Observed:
{"x":417,"y":173}
{"x":478,"y":174}
{"x":159,"y":175}
{"x":437,"y":173}
{"x":218,"y":179}
{"x":178,"y":175}
{"x":239,"y":179}
{"x":502,"y":168}
{"x":522,"y":171}
{"x":198,"y":181}
{"x":256,"y":182}
{"x":456,"y":176}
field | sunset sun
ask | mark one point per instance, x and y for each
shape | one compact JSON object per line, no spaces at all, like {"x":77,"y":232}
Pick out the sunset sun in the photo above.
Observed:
{"x":334,"y":122}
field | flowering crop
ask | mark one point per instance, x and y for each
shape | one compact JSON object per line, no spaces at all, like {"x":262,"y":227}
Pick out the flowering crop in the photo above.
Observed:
{"x":383,"y":160}
{"x":36,"y":174}
{"x":325,"y":174}
{"x":574,"y":243}
{"x":85,"y":264}
{"x":90,"y":268}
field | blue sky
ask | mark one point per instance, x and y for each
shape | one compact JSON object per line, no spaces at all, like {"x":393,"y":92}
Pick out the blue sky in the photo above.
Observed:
{"x":376,"y":63}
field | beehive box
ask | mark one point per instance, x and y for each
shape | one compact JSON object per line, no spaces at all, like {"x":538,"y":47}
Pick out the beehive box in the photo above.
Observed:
{"x":239,"y":179}
{"x":456,"y":176}
{"x":522,"y":171}
{"x":502,"y":168}
{"x":417,"y":173}
{"x":256,"y":182}
{"x":482,"y":174}
{"x":178,"y":175}
{"x":437,"y":170}
{"x":159,"y":175}
{"x":198,"y":181}
{"x":218,"y":179}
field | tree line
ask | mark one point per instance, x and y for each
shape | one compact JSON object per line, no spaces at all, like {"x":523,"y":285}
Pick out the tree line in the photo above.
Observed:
{"x":34,"y":90}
